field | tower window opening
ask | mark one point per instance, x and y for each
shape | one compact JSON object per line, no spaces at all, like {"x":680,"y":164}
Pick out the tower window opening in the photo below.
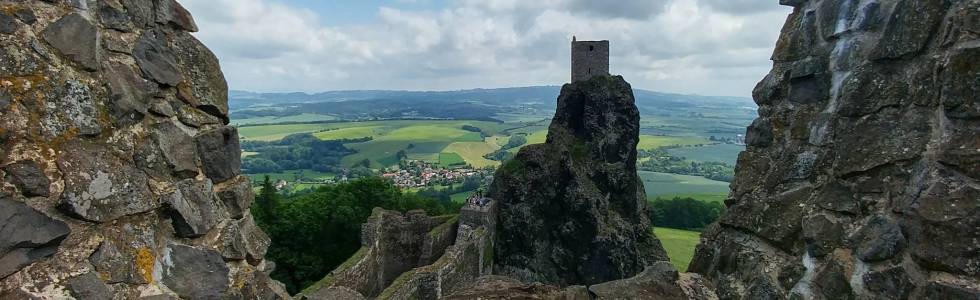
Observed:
{"x":591,"y":48}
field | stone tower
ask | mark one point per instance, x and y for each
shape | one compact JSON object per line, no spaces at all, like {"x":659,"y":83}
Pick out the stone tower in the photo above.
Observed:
{"x":589,"y":58}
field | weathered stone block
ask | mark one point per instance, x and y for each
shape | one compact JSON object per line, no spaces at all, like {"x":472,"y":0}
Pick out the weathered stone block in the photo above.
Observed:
{"x":195,"y":273}
{"x":29,"y":178}
{"x":77,"y":39}
{"x":156,"y":58}
{"x":100,"y":187}
{"x":194,"y":208}
{"x":26,"y":235}
{"x":220,"y":154}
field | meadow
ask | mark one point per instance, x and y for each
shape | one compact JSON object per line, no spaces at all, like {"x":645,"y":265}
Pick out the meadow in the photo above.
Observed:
{"x":726,"y":153}
{"x":669,"y":185}
{"x":679,"y":244}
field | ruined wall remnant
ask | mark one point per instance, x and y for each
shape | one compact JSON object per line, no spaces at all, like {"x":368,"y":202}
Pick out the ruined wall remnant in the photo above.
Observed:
{"x":413,"y":256}
{"x":120,"y":177}
{"x":861,"y":178}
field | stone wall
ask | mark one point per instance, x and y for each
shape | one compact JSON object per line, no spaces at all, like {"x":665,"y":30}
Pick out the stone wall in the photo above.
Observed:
{"x":120,"y":177}
{"x":392,"y":243}
{"x":589,"y":58}
{"x":860,"y":179}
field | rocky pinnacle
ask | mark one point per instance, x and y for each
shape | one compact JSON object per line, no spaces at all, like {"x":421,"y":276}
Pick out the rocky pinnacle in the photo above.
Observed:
{"x":573,"y":210}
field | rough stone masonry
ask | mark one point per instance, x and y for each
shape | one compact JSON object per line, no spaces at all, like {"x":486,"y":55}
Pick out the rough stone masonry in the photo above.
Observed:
{"x":861,"y":179}
{"x":120,"y":176}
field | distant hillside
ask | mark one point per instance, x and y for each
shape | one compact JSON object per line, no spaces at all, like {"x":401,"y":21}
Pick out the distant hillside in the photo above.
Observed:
{"x":478,"y":104}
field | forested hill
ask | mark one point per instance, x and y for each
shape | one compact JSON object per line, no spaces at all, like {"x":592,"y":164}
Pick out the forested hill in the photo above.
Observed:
{"x":480,"y":104}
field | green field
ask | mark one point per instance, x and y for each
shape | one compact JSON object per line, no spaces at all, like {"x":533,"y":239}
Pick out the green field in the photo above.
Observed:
{"x":657,"y":184}
{"x":293,"y":175}
{"x":460,"y":197}
{"x":451,"y":159}
{"x":726,"y":153}
{"x":307,"y":117}
{"x":473,"y":152}
{"x":679,"y":244}
{"x":706,"y":197}
{"x":656,"y":141}
{"x":348,"y":133}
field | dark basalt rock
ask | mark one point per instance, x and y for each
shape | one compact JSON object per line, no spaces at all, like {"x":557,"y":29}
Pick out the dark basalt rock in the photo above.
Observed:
{"x":220,"y":154}
{"x":237,"y":196}
{"x":89,"y":286}
{"x":892,"y":283}
{"x":573,"y":210}
{"x":100,"y":187}
{"x":195,"y":273}
{"x":114,"y":16}
{"x":26,"y":235}
{"x":156,"y":59}
{"x":8,"y":25}
{"x":205,"y":90}
{"x":862,"y":163}
{"x":879,"y":239}
{"x":29,"y":178}
{"x":194,"y":208}
{"x":129,"y":94}
{"x":171,"y":12}
{"x":169,"y":152}
{"x":77,"y":39}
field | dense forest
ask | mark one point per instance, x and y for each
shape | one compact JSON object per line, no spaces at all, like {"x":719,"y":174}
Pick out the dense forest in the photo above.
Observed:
{"x":684,"y":213}
{"x":312,"y":233}
{"x":294,"y":152}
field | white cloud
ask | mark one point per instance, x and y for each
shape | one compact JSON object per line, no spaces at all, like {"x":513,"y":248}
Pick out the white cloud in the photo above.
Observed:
{"x":690,"y":46}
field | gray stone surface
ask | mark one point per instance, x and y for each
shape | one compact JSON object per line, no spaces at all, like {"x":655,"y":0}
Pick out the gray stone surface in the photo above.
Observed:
{"x":860,"y":177}
{"x":220,"y":154}
{"x":156,"y":59}
{"x":237,"y":195}
{"x":29,"y":178}
{"x":171,"y":12}
{"x":549,"y":229}
{"x":205,"y":90}
{"x":26,"y":235}
{"x":195,"y":273}
{"x":76,"y":38}
{"x":97,"y":129}
{"x":100,"y":187}
{"x":194,"y":208}
{"x":89,"y":286}
{"x":129,"y":94}
{"x":169,"y":151}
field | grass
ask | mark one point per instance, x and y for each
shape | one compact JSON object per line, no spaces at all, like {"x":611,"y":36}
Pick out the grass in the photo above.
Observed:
{"x":306,"y":117}
{"x":654,"y":142}
{"x":726,"y":153}
{"x":450,"y":159}
{"x":660,"y":184}
{"x":679,"y":244}
{"x":706,"y":197}
{"x":293,"y":175}
{"x":460,"y":197}
{"x":420,"y":140}
{"x":473,"y":152}
{"x":399,"y":128}
{"x":347,"y":133}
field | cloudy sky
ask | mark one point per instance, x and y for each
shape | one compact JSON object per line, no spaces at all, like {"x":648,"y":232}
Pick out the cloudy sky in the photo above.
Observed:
{"x":707,"y":47}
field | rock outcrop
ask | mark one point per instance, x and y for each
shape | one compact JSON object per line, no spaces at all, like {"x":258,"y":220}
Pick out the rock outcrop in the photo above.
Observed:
{"x":861,"y":179}
{"x":413,"y":256}
{"x":120,"y":177}
{"x":573,"y":210}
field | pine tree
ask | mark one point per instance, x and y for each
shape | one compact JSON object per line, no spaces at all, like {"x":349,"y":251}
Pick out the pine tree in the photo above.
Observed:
{"x":266,"y":203}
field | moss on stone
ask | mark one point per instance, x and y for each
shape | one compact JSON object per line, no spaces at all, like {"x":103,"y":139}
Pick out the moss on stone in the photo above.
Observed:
{"x":330,"y":278}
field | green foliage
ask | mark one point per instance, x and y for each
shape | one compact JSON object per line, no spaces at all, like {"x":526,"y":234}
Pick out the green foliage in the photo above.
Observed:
{"x":313,"y":233}
{"x":679,"y":244}
{"x":659,"y":160}
{"x":684,"y":213}
{"x":294,"y":152}
{"x":503,"y":154}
